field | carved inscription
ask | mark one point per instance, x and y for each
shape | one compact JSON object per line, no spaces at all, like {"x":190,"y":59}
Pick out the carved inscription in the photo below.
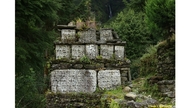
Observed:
{"x":68,"y":35}
{"x":92,"y":51}
{"x":119,"y":52}
{"x":106,"y":51}
{"x":109,"y":79}
{"x":106,"y":35}
{"x":87,"y":36}
{"x":78,"y":51}
{"x":73,"y":80}
{"x":62,"y":51}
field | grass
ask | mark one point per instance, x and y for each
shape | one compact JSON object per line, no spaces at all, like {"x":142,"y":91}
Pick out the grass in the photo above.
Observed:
{"x":116,"y":93}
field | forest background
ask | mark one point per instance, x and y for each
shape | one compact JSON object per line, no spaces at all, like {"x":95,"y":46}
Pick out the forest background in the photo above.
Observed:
{"x":36,"y":30}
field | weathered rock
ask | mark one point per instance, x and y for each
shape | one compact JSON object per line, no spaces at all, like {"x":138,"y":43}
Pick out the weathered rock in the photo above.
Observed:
{"x":151,"y":101}
{"x":106,"y":34}
{"x":106,"y":51}
{"x":130,"y":96}
{"x":124,"y":69}
{"x":78,"y":66}
{"x":119,"y":52}
{"x":62,"y":51}
{"x":68,"y":35}
{"x":89,"y":66}
{"x":124,"y":79}
{"x":169,"y":94}
{"x":78,"y":51}
{"x":88,"y":36}
{"x":91,"y":51}
{"x":166,"y":82}
{"x":73,"y":80}
{"x":154,"y":79}
{"x":127,"y":89}
{"x":109,"y":79}
{"x":124,"y":73}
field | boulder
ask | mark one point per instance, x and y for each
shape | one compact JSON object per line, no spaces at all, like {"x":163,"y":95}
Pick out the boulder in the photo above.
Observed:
{"x":130,"y":96}
{"x":127,"y":89}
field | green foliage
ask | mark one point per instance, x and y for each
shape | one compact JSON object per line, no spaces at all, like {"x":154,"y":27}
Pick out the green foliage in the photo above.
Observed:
{"x":148,"y":62}
{"x":101,"y":9}
{"x":34,"y":26}
{"x":109,"y":95}
{"x":114,"y":104}
{"x":118,"y":93}
{"x":85,"y":59}
{"x":99,"y":57}
{"x":137,"y":5}
{"x":150,"y":89}
{"x":160,"y":16}
{"x":131,"y":28}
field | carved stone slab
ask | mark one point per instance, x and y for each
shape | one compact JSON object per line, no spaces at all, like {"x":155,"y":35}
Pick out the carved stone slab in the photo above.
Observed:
{"x":109,"y":79}
{"x":73,"y":80}
{"x":119,"y":52}
{"x":91,"y":51}
{"x":62,"y":51}
{"x":106,"y":34}
{"x":106,"y":51}
{"x":88,"y":36}
{"x":78,"y":51}
{"x":68,"y":35}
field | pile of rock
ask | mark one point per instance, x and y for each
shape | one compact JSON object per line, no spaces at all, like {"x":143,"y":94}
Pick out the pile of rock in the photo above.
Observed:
{"x":133,"y":100}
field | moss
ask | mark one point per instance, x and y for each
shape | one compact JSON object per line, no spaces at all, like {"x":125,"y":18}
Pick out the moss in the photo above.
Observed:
{"x":85,"y":59}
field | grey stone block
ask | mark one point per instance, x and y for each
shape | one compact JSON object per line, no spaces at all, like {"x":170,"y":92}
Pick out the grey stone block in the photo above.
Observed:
{"x":73,"y":80}
{"x":106,"y":34}
{"x":88,"y":36}
{"x":62,"y":51}
{"x":91,"y":51}
{"x":109,"y":79}
{"x":119,"y":52}
{"x":78,"y":51}
{"x":106,"y":51}
{"x":68,"y":35}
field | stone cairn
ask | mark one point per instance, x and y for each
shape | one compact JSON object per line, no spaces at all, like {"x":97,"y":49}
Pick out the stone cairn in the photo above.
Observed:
{"x":87,"y":59}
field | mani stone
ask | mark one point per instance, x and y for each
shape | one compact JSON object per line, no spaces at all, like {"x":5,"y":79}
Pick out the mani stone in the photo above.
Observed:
{"x":62,"y":51}
{"x":119,"y":52}
{"x":68,"y":35}
{"x":106,"y":51}
{"x":78,"y":51}
{"x":88,"y":36}
{"x":91,"y":51}
{"x":106,"y":34}
{"x":109,"y":79}
{"x":73,"y":80}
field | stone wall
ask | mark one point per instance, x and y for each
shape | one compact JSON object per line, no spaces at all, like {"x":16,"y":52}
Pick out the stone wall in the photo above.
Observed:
{"x":80,"y":100}
{"x":167,"y":88}
{"x":99,"y":54}
{"x":86,"y":60}
{"x":166,"y":59}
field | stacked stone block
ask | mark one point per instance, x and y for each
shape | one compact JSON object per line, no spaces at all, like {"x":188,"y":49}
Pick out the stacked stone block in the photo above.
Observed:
{"x":86,"y":59}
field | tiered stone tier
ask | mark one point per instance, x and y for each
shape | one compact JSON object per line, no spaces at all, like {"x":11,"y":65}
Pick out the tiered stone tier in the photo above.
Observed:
{"x":87,"y":59}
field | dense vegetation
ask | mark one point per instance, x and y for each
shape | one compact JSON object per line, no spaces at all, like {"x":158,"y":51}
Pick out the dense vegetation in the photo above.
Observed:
{"x":35,"y":33}
{"x":140,"y":23}
{"x":143,"y":23}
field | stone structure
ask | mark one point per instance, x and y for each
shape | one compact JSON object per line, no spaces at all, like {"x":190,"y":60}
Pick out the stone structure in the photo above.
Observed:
{"x":73,"y":80}
{"x":108,"y":79}
{"x":86,"y":59}
{"x":80,"y":100}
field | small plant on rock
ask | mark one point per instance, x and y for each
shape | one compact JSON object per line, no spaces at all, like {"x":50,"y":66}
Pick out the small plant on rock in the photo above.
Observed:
{"x":85,"y":59}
